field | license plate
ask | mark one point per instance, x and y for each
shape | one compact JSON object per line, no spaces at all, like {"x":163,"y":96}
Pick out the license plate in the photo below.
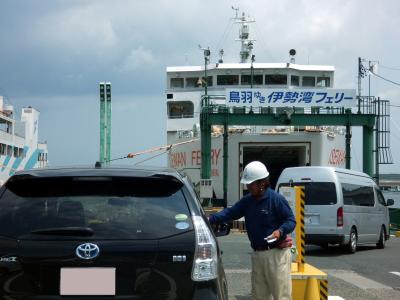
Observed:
{"x":87,"y":281}
{"x":311,"y":219}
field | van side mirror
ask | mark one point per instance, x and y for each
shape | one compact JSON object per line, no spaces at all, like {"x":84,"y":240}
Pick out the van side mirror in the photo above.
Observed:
{"x":221,"y":229}
{"x":389,"y":202}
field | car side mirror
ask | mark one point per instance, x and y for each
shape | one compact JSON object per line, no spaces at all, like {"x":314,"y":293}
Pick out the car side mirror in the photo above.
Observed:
{"x":221,"y":229}
{"x":389,"y":202}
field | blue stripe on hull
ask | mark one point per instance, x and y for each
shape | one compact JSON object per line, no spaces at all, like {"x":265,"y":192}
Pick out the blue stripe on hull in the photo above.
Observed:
{"x":33,"y":159}
{"x":18,"y":161}
{"x":5,"y":163}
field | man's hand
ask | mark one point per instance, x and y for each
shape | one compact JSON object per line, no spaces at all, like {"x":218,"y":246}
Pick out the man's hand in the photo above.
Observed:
{"x":276,"y":234}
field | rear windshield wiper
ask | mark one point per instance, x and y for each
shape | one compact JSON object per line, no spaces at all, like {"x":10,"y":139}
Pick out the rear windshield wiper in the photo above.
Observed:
{"x":75,"y":231}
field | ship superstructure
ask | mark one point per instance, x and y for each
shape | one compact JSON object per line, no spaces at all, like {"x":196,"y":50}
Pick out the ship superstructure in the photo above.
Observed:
{"x":277,"y":146}
{"x":20,"y":148}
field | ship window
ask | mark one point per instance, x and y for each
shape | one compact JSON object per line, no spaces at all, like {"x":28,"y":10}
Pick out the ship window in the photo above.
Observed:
{"x":180,"y":109}
{"x":9,"y":150}
{"x":3,"y":149}
{"x":16,"y":152}
{"x":276,"y":79}
{"x":176,"y":82}
{"x":192,"y":82}
{"x":209,"y":80}
{"x":294,"y":80}
{"x":323,"y":81}
{"x":227,"y":79}
{"x":246,"y":79}
{"x":308,"y":81}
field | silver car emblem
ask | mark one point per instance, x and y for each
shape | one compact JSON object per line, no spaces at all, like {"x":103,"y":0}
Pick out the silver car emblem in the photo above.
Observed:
{"x":179,"y":258}
{"x":87,"y":251}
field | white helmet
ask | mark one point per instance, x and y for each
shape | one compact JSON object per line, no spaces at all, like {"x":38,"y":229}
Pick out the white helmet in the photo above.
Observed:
{"x":254,"y":171}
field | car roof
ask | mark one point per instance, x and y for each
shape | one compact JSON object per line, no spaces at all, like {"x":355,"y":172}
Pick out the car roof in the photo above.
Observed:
{"x":115,"y":171}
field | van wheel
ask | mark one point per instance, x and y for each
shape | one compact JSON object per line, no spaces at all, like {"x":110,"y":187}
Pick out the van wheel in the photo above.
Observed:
{"x":382,"y":239}
{"x":352,"y":246}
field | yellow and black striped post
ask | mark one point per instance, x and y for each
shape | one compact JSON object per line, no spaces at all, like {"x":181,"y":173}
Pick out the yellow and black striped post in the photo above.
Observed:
{"x":323,"y":289}
{"x":300,"y":230}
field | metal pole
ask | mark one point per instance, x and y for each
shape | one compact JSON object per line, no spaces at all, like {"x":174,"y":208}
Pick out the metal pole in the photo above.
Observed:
{"x":102,"y":119}
{"x":368,"y":155}
{"x":252,"y":71}
{"x":359,"y":84}
{"x":205,"y":129}
{"x":377,"y":136}
{"x":225,"y":158}
{"x":348,"y":147}
{"x":108,"y":122}
{"x":205,"y":75}
{"x":369,"y":80}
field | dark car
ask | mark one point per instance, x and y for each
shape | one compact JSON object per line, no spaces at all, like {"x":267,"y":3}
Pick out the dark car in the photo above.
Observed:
{"x":109,"y":233}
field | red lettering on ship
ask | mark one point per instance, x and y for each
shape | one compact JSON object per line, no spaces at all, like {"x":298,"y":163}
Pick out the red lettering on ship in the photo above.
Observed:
{"x":178,"y":159}
{"x":196,"y":157}
{"x":215,"y":155}
{"x":337,"y":157}
{"x":214,"y":172}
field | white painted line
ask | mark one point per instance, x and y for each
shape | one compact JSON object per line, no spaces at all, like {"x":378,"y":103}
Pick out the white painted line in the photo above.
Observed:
{"x":335,"y":298}
{"x":237,"y":271}
{"x":356,"y":279}
{"x":395,"y":273}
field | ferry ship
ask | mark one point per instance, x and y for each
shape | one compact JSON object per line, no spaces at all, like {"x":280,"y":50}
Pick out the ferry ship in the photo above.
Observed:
{"x":278,"y":147}
{"x":19,"y":145}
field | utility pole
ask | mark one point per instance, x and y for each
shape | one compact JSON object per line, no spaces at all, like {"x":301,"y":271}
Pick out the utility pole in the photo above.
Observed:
{"x":361,"y":74}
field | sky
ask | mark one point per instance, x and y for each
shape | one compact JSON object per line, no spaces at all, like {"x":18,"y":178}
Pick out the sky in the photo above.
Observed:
{"x":54,"y":53}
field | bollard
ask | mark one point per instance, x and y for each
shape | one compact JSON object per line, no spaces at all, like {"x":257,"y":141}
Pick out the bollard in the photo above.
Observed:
{"x":312,"y":289}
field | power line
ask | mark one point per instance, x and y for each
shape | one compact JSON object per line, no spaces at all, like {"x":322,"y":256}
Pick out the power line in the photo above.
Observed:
{"x":388,"y":80}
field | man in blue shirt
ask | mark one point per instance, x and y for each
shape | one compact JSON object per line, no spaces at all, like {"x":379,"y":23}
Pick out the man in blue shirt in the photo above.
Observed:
{"x":267,"y":217}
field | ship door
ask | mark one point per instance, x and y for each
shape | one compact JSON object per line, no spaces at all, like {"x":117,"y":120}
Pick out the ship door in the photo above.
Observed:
{"x":276,"y":156}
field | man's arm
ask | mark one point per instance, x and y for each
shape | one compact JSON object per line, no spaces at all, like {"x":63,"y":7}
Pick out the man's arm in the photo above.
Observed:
{"x":287,"y":215}
{"x":228,"y":214}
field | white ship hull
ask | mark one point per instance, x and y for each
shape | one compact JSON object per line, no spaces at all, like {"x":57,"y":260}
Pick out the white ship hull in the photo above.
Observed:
{"x":277,"y":151}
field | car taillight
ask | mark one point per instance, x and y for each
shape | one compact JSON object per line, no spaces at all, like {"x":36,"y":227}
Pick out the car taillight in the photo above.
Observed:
{"x":205,"y":263}
{"x":340,"y":217}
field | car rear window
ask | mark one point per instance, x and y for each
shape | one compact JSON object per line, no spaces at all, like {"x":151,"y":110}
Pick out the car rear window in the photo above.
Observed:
{"x":113,"y":207}
{"x":317,"y":193}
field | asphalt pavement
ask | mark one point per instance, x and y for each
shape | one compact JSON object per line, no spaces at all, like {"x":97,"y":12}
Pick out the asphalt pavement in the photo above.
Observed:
{"x":370,"y":273}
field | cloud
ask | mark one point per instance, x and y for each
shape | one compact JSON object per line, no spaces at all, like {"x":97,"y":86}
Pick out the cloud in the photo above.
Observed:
{"x":55,"y":52}
{"x":139,"y":58}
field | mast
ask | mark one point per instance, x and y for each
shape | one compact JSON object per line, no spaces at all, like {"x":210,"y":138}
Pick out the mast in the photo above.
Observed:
{"x":244,"y":36}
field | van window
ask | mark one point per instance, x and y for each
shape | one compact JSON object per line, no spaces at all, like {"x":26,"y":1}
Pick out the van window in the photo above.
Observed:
{"x":381,"y":199}
{"x":317,"y":193}
{"x":358,"y":195}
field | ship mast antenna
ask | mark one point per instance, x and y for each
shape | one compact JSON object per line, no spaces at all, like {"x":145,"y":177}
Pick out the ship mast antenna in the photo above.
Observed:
{"x":244,"y":36}
{"x":236,"y":9}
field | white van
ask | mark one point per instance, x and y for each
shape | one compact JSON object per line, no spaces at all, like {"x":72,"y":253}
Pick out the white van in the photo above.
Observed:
{"x":342,"y":206}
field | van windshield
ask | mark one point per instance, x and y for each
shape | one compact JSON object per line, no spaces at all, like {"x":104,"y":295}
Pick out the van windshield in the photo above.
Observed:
{"x":317,"y":193}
